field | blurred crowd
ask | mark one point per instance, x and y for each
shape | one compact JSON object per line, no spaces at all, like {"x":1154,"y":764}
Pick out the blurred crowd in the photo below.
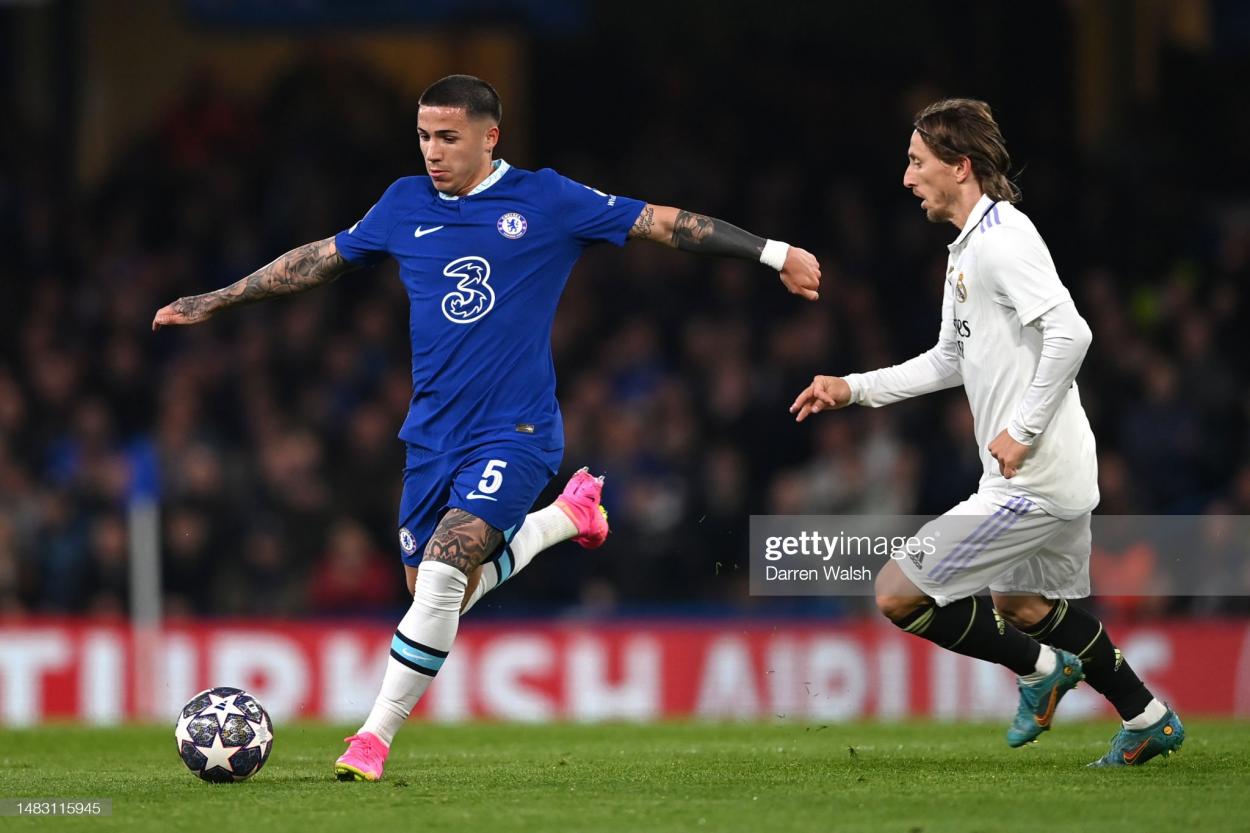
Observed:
{"x":270,"y":431}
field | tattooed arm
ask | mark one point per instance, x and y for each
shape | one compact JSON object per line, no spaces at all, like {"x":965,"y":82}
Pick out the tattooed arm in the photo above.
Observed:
{"x":302,"y":268}
{"x":692,"y":232}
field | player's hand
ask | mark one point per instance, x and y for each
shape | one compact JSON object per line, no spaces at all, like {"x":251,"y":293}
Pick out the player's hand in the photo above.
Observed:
{"x":180,"y":313}
{"x":825,"y":393}
{"x":801,"y":273}
{"x":1009,"y":453}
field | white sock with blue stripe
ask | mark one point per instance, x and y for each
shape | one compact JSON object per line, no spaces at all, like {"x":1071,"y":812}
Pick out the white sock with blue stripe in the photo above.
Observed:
{"x":540,"y":530}
{"x":419,"y":647}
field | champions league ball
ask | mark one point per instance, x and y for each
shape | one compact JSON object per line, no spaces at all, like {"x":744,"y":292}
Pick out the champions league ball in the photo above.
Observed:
{"x":224,"y":735}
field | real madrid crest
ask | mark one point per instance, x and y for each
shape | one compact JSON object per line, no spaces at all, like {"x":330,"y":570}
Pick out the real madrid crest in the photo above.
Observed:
{"x":961,"y":291}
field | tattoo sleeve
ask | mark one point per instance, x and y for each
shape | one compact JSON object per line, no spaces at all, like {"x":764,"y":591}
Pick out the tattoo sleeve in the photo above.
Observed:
{"x":302,"y":268}
{"x":644,"y":223}
{"x":697,"y":233}
{"x":462,"y":540}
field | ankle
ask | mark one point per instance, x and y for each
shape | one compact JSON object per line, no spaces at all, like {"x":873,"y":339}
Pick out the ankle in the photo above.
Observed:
{"x":1152,"y":714}
{"x":1047,"y":660}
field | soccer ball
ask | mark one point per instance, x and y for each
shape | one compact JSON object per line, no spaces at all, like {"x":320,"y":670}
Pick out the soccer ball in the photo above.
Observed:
{"x":223,"y":735}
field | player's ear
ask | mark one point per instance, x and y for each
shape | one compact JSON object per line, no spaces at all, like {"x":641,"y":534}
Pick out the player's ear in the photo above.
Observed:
{"x":492,"y":136}
{"x":963,"y":169}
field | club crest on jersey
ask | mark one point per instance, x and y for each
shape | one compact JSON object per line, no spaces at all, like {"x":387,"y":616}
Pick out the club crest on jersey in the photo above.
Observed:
{"x":512,"y":225}
{"x":406,"y":542}
{"x":961,"y":291}
{"x":473,"y":296}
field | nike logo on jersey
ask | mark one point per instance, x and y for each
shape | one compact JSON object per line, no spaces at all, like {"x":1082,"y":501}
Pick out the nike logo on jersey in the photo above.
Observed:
{"x":422,"y":232}
{"x":476,"y":496}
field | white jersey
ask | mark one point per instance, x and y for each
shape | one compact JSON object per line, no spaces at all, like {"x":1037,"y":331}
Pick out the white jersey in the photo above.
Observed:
{"x":1000,"y":280}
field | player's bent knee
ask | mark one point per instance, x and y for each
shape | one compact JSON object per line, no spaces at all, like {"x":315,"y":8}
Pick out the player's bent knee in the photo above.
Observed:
{"x":895,"y":608}
{"x":463,"y":541}
{"x":896,"y":595}
{"x":1022,"y":611}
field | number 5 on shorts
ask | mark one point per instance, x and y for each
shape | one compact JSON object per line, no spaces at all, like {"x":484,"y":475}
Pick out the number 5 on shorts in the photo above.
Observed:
{"x":492,"y":477}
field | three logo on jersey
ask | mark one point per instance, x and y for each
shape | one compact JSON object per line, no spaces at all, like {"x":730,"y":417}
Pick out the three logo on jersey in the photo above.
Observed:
{"x":473,"y":296}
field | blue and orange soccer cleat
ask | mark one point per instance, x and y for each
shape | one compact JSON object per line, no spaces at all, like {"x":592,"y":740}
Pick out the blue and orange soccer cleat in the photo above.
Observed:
{"x":1133,"y":747}
{"x":363,"y":760}
{"x":1038,"y":700}
{"x":580,"y":501}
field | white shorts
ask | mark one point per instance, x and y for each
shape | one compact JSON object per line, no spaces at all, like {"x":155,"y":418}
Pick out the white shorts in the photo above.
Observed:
{"x":1003,"y":542}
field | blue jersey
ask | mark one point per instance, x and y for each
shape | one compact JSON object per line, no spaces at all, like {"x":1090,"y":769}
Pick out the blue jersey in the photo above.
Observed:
{"x":484,"y":273}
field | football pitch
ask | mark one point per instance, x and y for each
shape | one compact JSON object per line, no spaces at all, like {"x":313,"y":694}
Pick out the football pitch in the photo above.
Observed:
{"x":907,"y":777}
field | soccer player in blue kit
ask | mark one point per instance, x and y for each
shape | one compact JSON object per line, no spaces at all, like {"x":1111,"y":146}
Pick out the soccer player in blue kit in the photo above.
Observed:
{"x":484,"y":252}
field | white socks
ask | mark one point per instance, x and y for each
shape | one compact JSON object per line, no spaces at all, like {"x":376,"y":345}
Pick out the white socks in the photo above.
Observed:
{"x":1153,"y":713}
{"x":540,"y":530}
{"x":419,"y":647}
{"x":1046,"y":659}
{"x":424,"y":636}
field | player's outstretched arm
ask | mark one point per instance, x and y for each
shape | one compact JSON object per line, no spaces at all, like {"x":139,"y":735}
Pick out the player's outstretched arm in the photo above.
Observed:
{"x":302,"y":268}
{"x":825,"y":393}
{"x":690,"y":232}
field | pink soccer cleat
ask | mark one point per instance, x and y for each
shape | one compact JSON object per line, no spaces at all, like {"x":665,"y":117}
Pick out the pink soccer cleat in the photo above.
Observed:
{"x":580,"y":501}
{"x":363,"y":760}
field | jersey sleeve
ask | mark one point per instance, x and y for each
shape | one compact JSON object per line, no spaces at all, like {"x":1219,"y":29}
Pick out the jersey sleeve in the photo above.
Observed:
{"x":1065,"y":339}
{"x":589,"y":215}
{"x":366,"y":241}
{"x":1023,"y":274}
{"x":935,"y":369}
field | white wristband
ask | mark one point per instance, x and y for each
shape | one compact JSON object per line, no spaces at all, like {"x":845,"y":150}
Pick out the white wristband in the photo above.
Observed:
{"x":774,"y":254}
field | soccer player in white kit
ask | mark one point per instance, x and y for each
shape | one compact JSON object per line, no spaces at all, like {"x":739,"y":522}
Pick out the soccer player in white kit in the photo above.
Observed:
{"x":1011,"y":335}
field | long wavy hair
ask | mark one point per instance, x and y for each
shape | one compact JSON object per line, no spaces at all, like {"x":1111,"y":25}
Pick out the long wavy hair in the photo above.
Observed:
{"x":957,"y":127}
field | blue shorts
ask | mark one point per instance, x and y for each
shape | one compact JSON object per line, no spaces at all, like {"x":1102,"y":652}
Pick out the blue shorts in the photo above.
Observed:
{"x":495,"y":480}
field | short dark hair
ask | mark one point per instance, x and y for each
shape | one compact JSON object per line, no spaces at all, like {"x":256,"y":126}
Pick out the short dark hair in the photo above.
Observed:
{"x":957,"y":127}
{"x":472,"y":94}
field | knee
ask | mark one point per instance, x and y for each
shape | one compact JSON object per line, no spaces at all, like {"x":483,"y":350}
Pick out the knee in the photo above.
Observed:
{"x":440,"y":587}
{"x":1022,"y":611}
{"x":895,"y":608}
{"x":462,"y":541}
{"x":896,"y":596}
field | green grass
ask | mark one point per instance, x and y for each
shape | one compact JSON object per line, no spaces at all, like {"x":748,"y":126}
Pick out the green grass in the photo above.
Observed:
{"x":911,"y":778}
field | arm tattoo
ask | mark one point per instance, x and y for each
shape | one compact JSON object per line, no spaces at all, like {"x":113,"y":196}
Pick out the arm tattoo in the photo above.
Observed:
{"x":303,"y":268}
{"x":692,"y":227}
{"x":697,"y":233}
{"x":462,"y":540}
{"x":642,"y":226}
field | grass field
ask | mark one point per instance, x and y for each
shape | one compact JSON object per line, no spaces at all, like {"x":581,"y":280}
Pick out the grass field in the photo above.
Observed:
{"x":911,"y":778}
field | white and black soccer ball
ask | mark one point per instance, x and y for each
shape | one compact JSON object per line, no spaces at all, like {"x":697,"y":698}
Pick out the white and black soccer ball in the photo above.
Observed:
{"x":224,"y":734}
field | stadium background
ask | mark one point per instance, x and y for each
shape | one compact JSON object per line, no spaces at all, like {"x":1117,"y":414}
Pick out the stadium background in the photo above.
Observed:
{"x":176,"y":147}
